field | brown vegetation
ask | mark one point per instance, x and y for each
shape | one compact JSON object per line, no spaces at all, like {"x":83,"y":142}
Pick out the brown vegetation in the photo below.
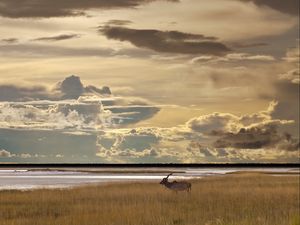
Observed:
{"x":238,"y":199}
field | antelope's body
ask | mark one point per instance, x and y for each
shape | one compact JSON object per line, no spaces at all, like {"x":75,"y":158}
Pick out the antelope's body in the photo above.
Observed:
{"x":175,"y":185}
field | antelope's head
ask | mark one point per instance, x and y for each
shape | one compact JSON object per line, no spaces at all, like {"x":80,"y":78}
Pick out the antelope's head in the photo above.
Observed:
{"x":165,"y":180}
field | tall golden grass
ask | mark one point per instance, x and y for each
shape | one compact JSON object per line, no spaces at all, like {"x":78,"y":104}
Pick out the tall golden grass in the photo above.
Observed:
{"x":237,"y":199}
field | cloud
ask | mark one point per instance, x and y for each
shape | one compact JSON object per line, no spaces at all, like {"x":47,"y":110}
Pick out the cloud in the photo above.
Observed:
{"x":132,"y":156}
{"x":5,"y":154}
{"x":132,"y":114}
{"x":69,"y":105}
{"x":80,"y":111}
{"x":287,"y":6}
{"x":105,"y":90}
{"x":206,"y":152}
{"x":286,"y":92}
{"x":218,"y":123}
{"x":166,"y":41}
{"x":249,"y":45}
{"x":60,"y":37}
{"x":213,"y":122}
{"x":51,"y":115}
{"x":251,"y":131}
{"x":133,"y":139}
{"x":40,"y":50}
{"x":10,"y":92}
{"x":201,"y":153}
{"x":25,"y":155}
{"x":133,"y":145}
{"x":287,"y":95}
{"x":215,"y":137}
{"x":71,"y":87}
{"x":257,"y":137}
{"x":9,"y":40}
{"x":85,"y":113}
{"x":49,"y":8}
{"x":231,"y":58}
{"x":292,"y":76}
{"x":292,"y":55}
{"x":129,"y":110}
{"x":124,"y":110}
{"x":197,"y":149}
{"x":218,"y":137}
{"x":118,"y":22}
{"x":251,"y":57}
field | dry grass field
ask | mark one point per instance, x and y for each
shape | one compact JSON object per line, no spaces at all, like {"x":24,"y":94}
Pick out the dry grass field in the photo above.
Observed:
{"x":237,"y":199}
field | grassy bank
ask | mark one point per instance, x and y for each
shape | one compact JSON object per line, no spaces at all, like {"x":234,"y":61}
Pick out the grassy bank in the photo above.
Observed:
{"x":237,"y":199}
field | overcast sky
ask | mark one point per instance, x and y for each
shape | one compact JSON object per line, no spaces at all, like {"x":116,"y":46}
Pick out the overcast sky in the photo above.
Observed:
{"x":131,"y":81}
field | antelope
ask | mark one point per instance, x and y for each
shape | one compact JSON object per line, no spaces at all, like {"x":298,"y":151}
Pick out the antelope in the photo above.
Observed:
{"x":176,"y":186}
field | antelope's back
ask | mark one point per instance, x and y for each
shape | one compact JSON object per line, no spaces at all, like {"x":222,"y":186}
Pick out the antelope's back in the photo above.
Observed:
{"x":181,"y":186}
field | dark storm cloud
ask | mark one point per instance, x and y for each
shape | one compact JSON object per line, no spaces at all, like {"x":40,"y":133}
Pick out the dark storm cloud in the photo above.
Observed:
{"x":256,"y":138}
{"x":72,"y":88}
{"x":57,"y":8}
{"x":18,"y":93}
{"x":286,"y":6}
{"x":58,"y":37}
{"x":167,"y":41}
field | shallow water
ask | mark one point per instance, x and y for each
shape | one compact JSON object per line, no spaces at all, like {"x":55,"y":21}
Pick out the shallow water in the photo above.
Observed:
{"x":22,"y":179}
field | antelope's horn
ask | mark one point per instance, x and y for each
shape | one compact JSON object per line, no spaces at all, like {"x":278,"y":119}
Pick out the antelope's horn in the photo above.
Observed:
{"x":169,"y":175}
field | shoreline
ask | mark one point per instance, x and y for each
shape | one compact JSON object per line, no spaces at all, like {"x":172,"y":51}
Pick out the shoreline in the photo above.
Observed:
{"x":56,"y":179}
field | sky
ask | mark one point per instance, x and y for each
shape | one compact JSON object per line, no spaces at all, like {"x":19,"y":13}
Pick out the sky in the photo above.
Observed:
{"x":149,"y":81}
